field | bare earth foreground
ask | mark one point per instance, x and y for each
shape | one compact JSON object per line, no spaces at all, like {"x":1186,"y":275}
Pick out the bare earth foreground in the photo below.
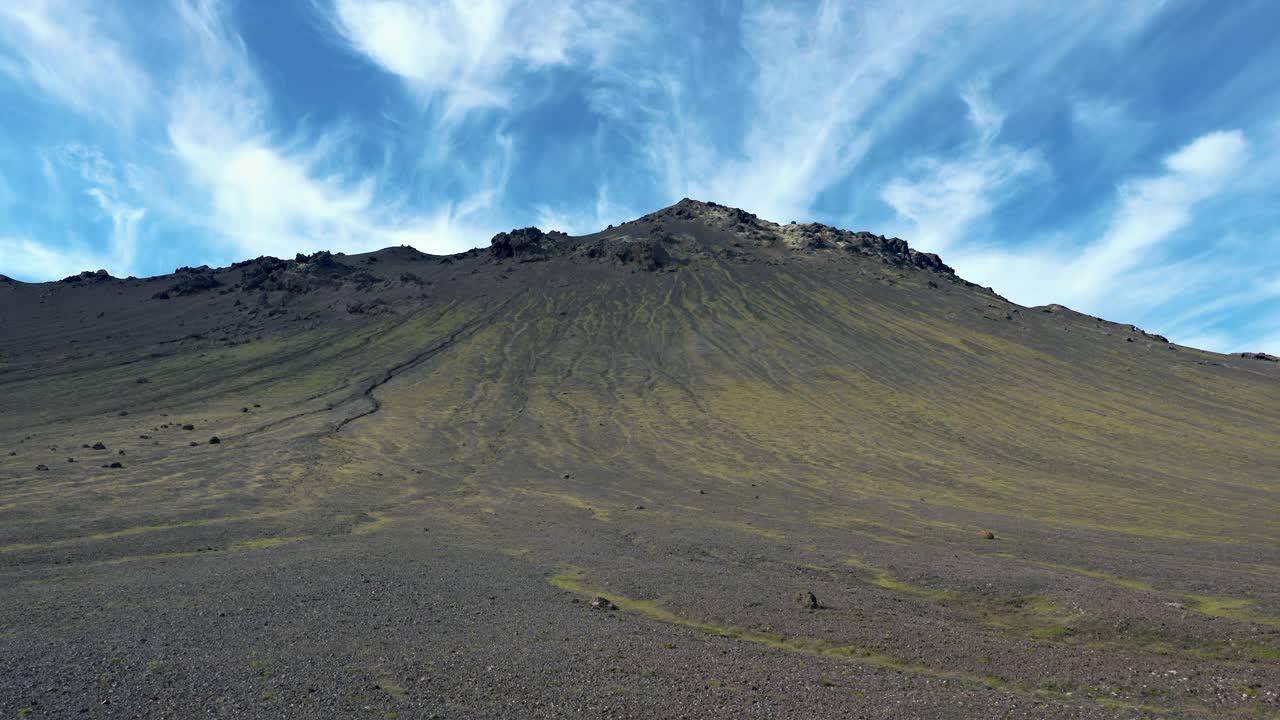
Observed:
{"x":428,"y":469}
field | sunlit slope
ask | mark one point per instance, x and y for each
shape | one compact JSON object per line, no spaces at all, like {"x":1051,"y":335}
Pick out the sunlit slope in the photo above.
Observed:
{"x":839,"y":387}
{"x":846,"y":390}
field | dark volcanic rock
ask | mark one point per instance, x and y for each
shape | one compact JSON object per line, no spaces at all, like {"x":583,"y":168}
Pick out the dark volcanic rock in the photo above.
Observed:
{"x":89,"y":276}
{"x":304,"y":274}
{"x":603,"y":603}
{"x":99,"y":446}
{"x":193,"y":281}
{"x":525,"y":243}
{"x":648,"y":253}
{"x":894,"y":250}
{"x":259,"y":272}
{"x":375,"y":306}
{"x":42,"y":466}
{"x":1259,"y":356}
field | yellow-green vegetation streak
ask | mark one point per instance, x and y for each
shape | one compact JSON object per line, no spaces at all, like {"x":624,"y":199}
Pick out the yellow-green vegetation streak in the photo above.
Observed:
{"x":573,"y":580}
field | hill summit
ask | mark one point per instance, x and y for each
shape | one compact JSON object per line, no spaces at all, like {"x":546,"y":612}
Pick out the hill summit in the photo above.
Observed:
{"x":691,"y":230}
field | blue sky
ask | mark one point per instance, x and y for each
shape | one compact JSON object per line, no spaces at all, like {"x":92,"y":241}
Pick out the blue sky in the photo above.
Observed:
{"x":1116,"y":157}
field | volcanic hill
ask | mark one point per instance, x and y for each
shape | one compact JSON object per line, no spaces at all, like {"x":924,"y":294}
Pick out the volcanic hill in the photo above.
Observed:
{"x":696,"y":465}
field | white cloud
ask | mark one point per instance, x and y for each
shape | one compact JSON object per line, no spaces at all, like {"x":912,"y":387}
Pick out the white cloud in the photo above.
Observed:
{"x":1152,"y":209}
{"x":100,"y":197}
{"x":277,"y":196}
{"x":584,"y":221}
{"x":271,"y":198}
{"x":466,"y":51}
{"x":985,"y":116}
{"x":61,"y":49}
{"x":940,"y":199}
{"x":819,"y":83}
{"x":221,"y":172}
{"x":1099,"y":116}
{"x":124,"y":231}
{"x":1124,"y":273}
{"x":25,"y":259}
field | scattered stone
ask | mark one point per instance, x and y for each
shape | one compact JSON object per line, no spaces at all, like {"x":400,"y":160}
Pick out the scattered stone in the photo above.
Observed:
{"x":99,"y":446}
{"x":986,"y":534}
{"x":42,"y":466}
{"x":214,"y":440}
{"x":116,"y":465}
{"x":194,"y":443}
{"x":806,"y":600}
{"x":244,"y":409}
{"x":142,"y":381}
{"x":12,"y":453}
{"x":122,"y":413}
{"x":71,"y":459}
{"x":188,"y":426}
{"x":639,"y":507}
{"x":603,"y":603}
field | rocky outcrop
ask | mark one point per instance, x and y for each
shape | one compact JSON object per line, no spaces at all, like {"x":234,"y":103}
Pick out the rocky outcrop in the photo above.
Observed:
{"x":648,"y":253}
{"x":261,"y":272}
{"x":303,"y":274}
{"x":1259,"y":356}
{"x":816,"y":236}
{"x":751,"y":231}
{"x":89,"y":276}
{"x":525,"y":244}
{"x":193,"y":280}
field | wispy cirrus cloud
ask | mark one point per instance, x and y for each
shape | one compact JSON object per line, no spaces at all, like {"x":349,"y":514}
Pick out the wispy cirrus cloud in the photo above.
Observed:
{"x":1044,"y":148}
{"x":61,"y":48}
{"x":940,"y":198}
{"x":1129,"y":271}
{"x":22,"y":257}
{"x":585,"y":219}
{"x":815,"y":84}
{"x":467,"y":55}
{"x":274,"y":195}
{"x":222,"y":165}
